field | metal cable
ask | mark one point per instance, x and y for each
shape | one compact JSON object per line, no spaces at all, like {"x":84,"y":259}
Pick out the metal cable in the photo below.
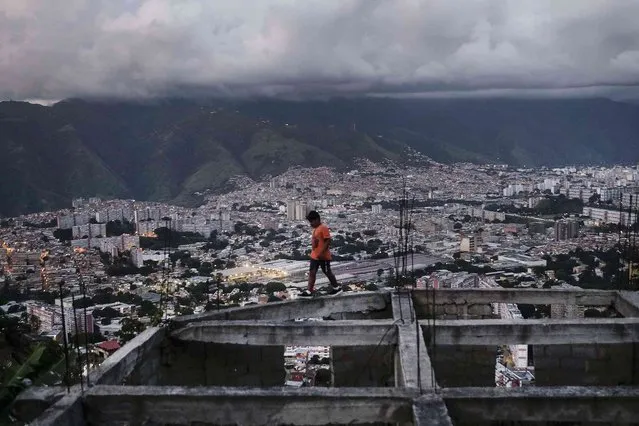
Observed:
{"x":434,"y":341}
{"x":65,"y":339}
{"x":77,"y":340}
{"x":83,"y":290}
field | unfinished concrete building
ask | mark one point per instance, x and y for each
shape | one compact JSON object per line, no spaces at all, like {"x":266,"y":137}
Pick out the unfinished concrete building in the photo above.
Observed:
{"x":391,"y":362}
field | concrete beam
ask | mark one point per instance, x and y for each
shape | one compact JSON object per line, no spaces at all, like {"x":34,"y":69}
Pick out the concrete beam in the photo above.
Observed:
{"x":301,"y":308}
{"x":535,"y":332}
{"x":304,"y":406}
{"x":627,"y":303}
{"x":402,"y":304}
{"x":116,"y":368}
{"x":612,"y":405}
{"x":68,"y":411}
{"x":503,"y":295}
{"x":411,"y":347}
{"x":410,"y":375}
{"x":33,"y":401}
{"x":330,"y":333}
{"x":53,"y":402}
{"x":430,"y":410}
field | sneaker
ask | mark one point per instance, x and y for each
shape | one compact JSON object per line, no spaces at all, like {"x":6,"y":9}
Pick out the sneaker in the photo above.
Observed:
{"x":335,"y":291}
{"x":305,"y":294}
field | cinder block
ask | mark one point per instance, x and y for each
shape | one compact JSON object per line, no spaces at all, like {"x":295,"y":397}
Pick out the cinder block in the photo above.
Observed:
{"x":451,"y":309}
{"x":479,"y":310}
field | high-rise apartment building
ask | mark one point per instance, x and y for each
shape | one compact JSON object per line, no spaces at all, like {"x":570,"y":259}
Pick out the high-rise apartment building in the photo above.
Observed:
{"x":566,"y":230}
{"x":297,"y":210}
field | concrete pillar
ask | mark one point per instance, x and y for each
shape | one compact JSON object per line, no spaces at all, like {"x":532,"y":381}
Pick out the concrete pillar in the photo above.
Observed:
{"x":586,"y":365}
{"x":361,"y":366}
{"x":464,"y":366}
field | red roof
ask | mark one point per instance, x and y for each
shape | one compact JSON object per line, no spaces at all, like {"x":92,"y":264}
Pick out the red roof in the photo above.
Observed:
{"x":109,"y":345}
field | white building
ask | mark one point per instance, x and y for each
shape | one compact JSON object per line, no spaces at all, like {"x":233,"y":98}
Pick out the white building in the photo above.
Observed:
{"x":519,"y":353}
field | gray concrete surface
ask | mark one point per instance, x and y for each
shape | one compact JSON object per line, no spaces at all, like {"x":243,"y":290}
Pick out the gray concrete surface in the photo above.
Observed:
{"x":537,"y":332}
{"x":627,"y":303}
{"x":463,"y":356}
{"x":266,"y":333}
{"x":301,"y":308}
{"x":430,"y":410}
{"x":615,"y":405}
{"x":503,"y":295}
{"x":305,"y":406}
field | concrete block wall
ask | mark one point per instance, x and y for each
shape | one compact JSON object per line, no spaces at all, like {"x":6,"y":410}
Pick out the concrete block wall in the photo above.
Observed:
{"x":586,"y":365}
{"x":200,"y":364}
{"x":461,"y":366}
{"x":147,"y":371}
{"x":464,"y":366}
{"x":363,"y":366}
{"x":461,"y":311}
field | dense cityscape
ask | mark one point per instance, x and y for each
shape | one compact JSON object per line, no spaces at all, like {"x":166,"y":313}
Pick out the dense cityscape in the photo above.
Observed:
{"x":101,"y":271}
{"x":347,"y":212}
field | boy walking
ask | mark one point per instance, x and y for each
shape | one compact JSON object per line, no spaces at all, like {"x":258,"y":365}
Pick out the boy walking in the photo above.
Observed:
{"x":320,"y":256}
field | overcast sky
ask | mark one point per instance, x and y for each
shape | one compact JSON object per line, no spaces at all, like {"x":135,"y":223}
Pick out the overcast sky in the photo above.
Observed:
{"x":52,"y":49}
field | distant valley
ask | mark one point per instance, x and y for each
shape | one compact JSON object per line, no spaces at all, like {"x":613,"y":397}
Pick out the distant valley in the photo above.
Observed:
{"x":171,"y":149}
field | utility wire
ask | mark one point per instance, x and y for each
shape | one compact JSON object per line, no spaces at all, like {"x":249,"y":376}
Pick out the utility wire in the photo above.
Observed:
{"x":83,"y":290}
{"x":77,"y":340}
{"x":66,"y":338}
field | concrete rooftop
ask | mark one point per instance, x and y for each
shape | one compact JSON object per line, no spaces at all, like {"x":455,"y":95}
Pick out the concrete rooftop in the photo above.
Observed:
{"x":392,"y":364}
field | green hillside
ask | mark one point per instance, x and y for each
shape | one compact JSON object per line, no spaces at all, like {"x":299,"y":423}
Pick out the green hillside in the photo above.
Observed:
{"x":168,"y":150}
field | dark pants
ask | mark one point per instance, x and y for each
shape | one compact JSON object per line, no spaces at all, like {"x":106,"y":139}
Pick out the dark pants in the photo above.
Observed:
{"x":317,"y":264}
{"x":326,"y":268}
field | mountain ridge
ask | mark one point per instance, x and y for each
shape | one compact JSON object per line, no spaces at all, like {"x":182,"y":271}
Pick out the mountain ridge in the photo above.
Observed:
{"x":167,"y":150}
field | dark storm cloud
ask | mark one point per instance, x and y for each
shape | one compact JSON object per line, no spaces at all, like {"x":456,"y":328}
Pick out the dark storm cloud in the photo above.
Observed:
{"x":51,"y":49}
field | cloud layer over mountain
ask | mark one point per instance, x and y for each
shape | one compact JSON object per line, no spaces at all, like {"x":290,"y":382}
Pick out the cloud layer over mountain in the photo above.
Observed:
{"x":140,"y":48}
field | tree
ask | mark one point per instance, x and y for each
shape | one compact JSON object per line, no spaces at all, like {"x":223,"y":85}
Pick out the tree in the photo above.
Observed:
{"x":115,"y":228}
{"x":539,"y":270}
{"x":380,"y":272}
{"x":63,"y":234}
{"x":107,"y":312}
{"x":457,"y":226}
{"x":130,"y":328}
{"x":83,"y":302}
{"x":274,"y":286}
{"x":147,"y":309}
{"x":185,"y":310}
{"x":371,"y":287}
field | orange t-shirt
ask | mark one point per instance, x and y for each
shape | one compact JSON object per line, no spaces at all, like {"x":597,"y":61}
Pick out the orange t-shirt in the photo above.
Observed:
{"x":318,"y":241}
